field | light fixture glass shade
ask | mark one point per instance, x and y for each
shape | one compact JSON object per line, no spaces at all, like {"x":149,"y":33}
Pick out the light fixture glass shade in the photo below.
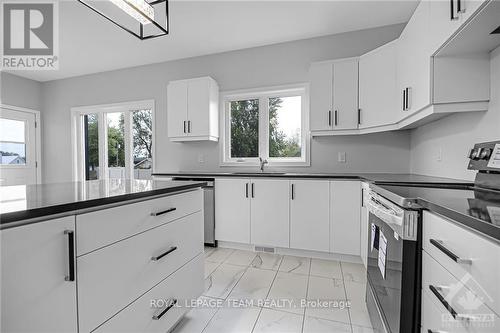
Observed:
{"x":144,"y":19}
{"x":138,"y":9}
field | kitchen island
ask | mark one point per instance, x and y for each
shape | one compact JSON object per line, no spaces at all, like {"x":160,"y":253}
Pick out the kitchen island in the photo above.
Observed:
{"x":134,"y":248}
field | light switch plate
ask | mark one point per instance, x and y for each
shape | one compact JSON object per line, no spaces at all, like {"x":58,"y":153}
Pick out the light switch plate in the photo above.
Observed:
{"x":341,"y":157}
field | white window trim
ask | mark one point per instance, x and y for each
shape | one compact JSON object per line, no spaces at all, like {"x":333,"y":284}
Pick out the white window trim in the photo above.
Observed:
{"x":78,"y":171}
{"x":38,"y":136}
{"x":262,"y":94}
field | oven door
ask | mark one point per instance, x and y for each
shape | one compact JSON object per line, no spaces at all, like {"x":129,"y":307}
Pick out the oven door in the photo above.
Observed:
{"x":393,"y":277}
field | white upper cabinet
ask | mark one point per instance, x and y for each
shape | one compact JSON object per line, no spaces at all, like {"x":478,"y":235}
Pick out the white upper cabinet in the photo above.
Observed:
{"x":414,"y":63}
{"x":334,"y":95}
{"x":37,"y":279}
{"x":377,"y":87}
{"x":192,"y":110}
{"x":270,"y":212}
{"x":309,"y":220}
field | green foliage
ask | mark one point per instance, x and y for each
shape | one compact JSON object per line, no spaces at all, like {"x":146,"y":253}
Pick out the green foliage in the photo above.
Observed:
{"x":245,"y":128}
{"x":245,"y":131}
{"x":142,"y":121}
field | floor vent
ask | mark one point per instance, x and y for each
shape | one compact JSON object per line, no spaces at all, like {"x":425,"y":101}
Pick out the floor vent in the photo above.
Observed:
{"x":265,"y":249}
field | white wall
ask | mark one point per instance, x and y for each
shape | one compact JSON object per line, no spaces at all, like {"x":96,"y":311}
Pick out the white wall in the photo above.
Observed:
{"x":256,"y":67}
{"x":18,"y":91}
{"x":455,"y":134}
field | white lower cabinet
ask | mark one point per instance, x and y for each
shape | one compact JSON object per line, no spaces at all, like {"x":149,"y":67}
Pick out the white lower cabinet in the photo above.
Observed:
{"x":232,"y":210}
{"x":112,"y":277}
{"x":151,"y":312}
{"x":309,"y":220}
{"x":269,"y":212}
{"x":345,"y":199}
{"x":35,"y":295}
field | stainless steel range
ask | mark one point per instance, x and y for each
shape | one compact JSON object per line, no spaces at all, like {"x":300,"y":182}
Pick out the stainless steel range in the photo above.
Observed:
{"x":394,"y":242}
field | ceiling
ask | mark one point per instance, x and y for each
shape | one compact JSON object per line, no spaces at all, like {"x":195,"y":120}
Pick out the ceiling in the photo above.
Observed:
{"x":90,"y":44}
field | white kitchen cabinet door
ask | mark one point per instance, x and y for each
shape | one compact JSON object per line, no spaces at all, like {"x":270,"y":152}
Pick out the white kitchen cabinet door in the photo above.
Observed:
{"x":232,"y":210}
{"x":270,"y":212}
{"x":177,"y":95}
{"x":198,"y":107}
{"x":35,"y":261}
{"x":345,"y":200}
{"x":192,"y":108}
{"x":441,"y":22}
{"x":309,"y":215}
{"x":345,"y":94}
{"x":321,"y":78}
{"x":414,"y":62}
{"x":378,"y":101}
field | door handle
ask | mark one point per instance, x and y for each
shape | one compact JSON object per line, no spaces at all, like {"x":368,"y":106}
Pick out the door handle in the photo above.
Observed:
{"x":253,"y":190}
{"x":408,"y":93}
{"x":172,"y":249}
{"x":71,"y":255}
{"x":164,"y":211}
{"x":329,"y":117}
{"x":189,"y":126}
{"x":171,"y":304}
{"x":293,"y":191}
{"x":184,"y":126}
{"x":336,"y":117}
{"x":359,"y":116}
{"x":404,"y":99}
{"x":246,"y":190}
{"x":440,"y":245}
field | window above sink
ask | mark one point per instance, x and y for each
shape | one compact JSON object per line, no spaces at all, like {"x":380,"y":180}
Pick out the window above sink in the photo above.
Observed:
{"x":269,"y":123}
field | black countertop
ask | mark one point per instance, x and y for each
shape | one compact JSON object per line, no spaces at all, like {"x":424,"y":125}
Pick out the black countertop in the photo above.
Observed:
{"x":24,"y":202}
{"x":370,"y":177}
{"x":475,"y":208}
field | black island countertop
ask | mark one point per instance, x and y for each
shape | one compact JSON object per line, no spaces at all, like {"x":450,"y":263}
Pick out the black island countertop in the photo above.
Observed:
{"x":28,"y":202}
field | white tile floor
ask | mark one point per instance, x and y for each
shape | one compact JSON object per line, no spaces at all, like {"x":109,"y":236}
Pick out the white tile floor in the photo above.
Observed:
{"x":275,"y":285}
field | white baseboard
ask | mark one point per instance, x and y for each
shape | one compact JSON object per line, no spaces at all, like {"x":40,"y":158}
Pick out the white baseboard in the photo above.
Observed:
{"x":295,"y":252}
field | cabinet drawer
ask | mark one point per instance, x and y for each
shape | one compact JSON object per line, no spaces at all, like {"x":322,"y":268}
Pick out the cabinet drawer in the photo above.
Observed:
{"x":184,"y":285}
{"x":435,"y":318}
{"x":112,"y":277}
{"x":100,"y":228}
{"x":471,"y":312}
{"x":483,"y":272}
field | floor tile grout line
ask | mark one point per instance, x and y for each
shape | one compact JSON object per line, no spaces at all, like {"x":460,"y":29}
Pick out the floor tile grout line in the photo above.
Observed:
{"x":257,"y":319}
{"x":345,"y":294}
{"x":307,"y":295}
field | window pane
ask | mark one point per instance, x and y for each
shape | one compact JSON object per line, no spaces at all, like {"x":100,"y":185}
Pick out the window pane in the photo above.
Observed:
{"x":116,"y":144}
{"x":142,"y":129}
{"x":285,"y":126}
{"x":245,"y":128}
{"x":91,"y":144}
{"x":12,"y":153}
{"x":11,"y":130}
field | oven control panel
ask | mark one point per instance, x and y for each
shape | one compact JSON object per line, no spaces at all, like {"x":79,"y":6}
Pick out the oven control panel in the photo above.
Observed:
{"x":485,"y":156}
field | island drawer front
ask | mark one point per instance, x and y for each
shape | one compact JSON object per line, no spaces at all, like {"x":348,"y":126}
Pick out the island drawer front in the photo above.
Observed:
{"x":112,"y":277}
{"x":463,"y":299}
{"x":483,"y":272}
{"x":185,"y":286}
{"x":435,"y":317}
{"x":103,"y":227}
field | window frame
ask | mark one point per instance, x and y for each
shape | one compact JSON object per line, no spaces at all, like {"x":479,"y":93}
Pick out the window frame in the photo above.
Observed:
{"x":77,"y":142}
{"x":263,"y":95}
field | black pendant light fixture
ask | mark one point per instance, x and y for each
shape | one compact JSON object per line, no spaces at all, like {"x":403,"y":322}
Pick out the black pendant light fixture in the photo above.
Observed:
{"x":144,"y":19}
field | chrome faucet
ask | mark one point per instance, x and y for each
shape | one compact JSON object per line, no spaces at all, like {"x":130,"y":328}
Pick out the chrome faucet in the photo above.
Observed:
{"x":262,"y":163}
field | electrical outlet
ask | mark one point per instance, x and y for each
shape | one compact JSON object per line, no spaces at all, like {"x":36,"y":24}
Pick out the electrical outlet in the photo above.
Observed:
{"x":201,"y":158}
{"x":341,"y":157}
